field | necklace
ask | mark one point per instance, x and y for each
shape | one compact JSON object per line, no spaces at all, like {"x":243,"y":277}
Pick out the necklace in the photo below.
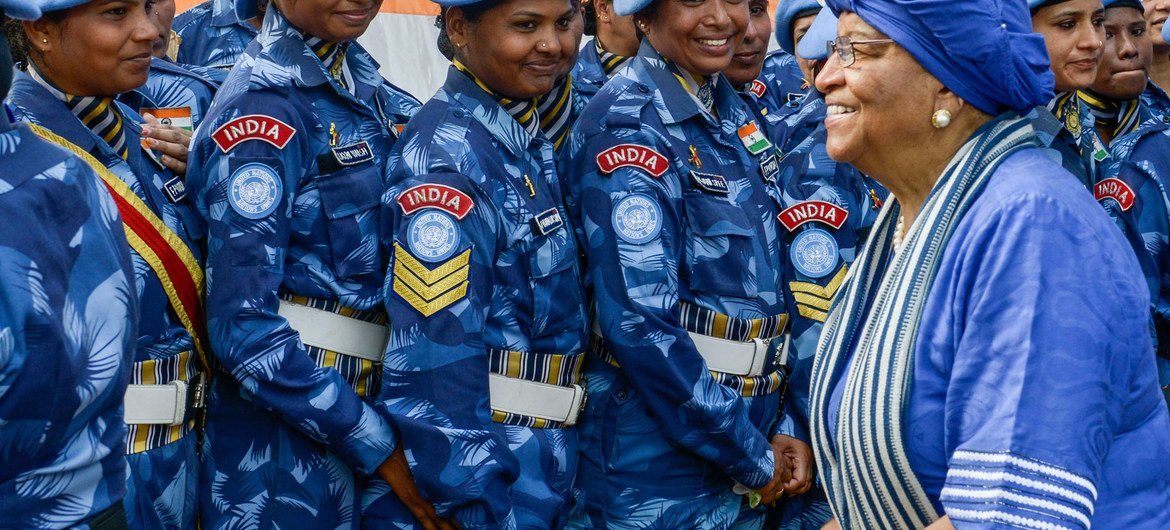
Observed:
{"x":899,"y":232}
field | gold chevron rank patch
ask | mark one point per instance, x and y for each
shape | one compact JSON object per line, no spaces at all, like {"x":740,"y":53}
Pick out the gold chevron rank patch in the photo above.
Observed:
{"x":813,"y":300}
{"x":430,"y":290}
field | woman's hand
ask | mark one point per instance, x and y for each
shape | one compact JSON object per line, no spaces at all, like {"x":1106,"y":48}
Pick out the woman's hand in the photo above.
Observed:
{"x":800,"y":455}
{"x":772,"y":491}
{"x":396,"y":472}
{"x":832,"y":525}
{"x":169,"y":141}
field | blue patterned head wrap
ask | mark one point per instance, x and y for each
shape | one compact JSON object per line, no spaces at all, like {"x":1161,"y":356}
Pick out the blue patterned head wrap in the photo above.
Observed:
{"x":983,"y":50}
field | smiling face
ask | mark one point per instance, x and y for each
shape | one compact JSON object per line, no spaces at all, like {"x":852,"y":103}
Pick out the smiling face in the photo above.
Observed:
{"x":1156,"y":13}
{"x":518,"y":47}
{"x":700,"y":36}
{"x":1125,"y":64}
{"x":749,"y":56}
{"x":330,"y":20}
{"x":879,"y":107}
{"x":101,"y":48}
{"x":1073,"y":34}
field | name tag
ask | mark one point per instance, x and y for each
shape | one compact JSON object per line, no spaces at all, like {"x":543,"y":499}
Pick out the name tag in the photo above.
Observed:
{"x":712,"y":183}
{"x":354,"y":154}
{"x":769,"y":167}
{"x":547,"y":222}
{"x":175,"y":190}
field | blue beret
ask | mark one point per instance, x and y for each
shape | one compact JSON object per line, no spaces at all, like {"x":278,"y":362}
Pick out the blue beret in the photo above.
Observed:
{"x":824,"y":29}
{"x":983,"y":50}
{"x":22,"y":9}
{"x":786,"y":12}
{"x":629,"y":7}
{"x":457,"y":3}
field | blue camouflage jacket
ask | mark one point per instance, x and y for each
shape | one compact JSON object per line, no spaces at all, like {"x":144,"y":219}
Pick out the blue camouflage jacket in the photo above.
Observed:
{"x":179,"y":95}
{"x":1065,"y":129}
{"x":284,"y":172}
{"x":212,"y":35}
{"x":781,"y":86}
{"x":483,"y":277}
{"x":1133,"y":189}
{"x":163,"y":346}
{"x":67,"y":317}
{"x":1155,"y":99}
{"x":678,"y":225}
{"x":829,"y":209}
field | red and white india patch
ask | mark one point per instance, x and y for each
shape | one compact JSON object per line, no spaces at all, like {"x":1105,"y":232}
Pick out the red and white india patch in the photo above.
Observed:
{"x":758,"y":88}
{"x":631,"y":155}
{"x":438,"y":196}
{"x":808,"y":211}
{"x":1116,"y":189}
{"x":253,"y":127}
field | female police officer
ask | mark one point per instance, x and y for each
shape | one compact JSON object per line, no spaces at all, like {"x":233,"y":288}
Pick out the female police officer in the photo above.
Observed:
{"x":286,"y":172}
{"x":66,"y":302}
{"x":79,"y":58}
{"x":671,"y":181}
{"x":489,"y":322}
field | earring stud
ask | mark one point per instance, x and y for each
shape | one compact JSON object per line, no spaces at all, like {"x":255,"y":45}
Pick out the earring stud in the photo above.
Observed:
{"x":941,"y":118}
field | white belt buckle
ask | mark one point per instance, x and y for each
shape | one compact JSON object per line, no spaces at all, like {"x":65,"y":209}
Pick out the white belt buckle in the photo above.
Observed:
{"x":579,"y":399}
{"x":156,"y":404}
{"x":759,"y":356}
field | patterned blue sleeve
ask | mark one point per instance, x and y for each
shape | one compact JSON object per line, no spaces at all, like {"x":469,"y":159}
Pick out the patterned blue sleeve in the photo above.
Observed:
{"x":443,"y":236}
{"x":1033,"y":376}
{"x":251,"y":192}
{"x":634,"y":271}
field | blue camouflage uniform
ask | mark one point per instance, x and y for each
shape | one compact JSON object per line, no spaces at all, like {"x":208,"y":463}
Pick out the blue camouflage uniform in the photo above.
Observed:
{"x":67,"y":318}
{"x":486,"y":284}
{"x":1155,"y":99}
{"x":285,"y":173}
{"x":1065,"y":128}
{"x":678,"y":219}
{"x":211,"y":35}
{"x":1133,"y":189}
{"x":781,"y":86}
{"x":829,"y":209}
{"x":179,"y":95}
{"x":163,"y":462}
{"x":595,"y":65}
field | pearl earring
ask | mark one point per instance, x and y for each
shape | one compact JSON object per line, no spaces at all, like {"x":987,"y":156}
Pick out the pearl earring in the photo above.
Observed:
{"x":941,"y":118}
{"x":44,"y":41}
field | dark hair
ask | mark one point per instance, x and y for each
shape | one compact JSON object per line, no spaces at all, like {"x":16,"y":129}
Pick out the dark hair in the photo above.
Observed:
{"x":471,"y":12}
{"x":648,"y":13}
{"x":590,"y":17}
{"x":18,"y":41}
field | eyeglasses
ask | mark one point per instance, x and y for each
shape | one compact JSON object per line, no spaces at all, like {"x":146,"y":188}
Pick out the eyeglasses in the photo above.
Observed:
{"x":843,"y":47}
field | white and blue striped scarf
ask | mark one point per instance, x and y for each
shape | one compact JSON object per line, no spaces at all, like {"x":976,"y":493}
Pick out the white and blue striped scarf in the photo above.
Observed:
{"x":865,"y":466}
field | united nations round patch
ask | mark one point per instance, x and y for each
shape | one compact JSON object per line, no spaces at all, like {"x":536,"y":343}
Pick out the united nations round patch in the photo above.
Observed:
{"x":431,"y":236}
{"x":637,"y":219}
{"x":814,"y":253}
{"x":254,"y":191}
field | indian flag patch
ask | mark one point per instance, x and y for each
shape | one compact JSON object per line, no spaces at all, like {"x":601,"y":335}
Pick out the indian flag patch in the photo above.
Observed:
{"x":177,"y":116}
{"x":753,"y":139}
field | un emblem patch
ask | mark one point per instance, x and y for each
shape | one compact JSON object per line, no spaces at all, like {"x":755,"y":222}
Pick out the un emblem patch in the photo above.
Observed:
{"x":432,"y":236}
{"x":636,"y":219}
{"x":814,"y":253}
{"x":254,"y":191}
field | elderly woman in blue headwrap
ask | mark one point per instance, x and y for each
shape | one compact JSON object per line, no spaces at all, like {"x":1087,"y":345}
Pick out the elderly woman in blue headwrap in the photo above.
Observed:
{"x":988,"y":363}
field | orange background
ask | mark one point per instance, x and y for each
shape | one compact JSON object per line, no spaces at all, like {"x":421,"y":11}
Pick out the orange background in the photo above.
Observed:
{"x":401,"y":7}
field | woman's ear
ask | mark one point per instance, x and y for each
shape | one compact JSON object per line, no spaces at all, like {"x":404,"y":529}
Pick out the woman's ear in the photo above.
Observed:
{"x":947,"y":100}
{"x":39,"y":33}
{"x":457,"y":28}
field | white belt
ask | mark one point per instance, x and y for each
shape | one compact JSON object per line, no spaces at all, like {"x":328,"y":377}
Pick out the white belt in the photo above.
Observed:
{"x":156,"y":404}
{"x":734,"y":357}
{"x":334,"y":332}
{"x":538,"y":400}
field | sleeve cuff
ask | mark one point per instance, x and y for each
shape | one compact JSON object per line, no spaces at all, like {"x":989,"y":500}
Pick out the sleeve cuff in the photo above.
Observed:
{"x":369,"y":443}
{"x":1003,"y":489}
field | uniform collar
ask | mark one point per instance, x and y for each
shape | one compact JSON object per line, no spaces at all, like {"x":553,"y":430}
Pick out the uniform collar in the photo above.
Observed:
{"x":38,"y":105}
{"x":589,"y":67}
{"x":285,"y":44}
{"x":675,"y":103}
{"x":223,"y":13}
{"x":465,"y":92}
